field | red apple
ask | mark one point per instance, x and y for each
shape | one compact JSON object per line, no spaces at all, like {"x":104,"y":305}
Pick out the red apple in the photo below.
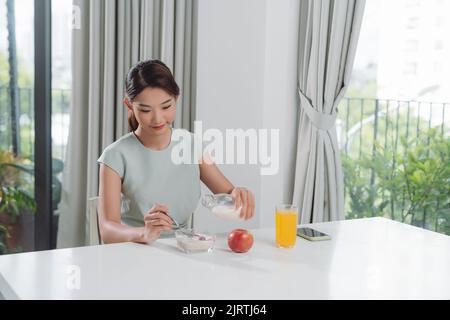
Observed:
{"x":240,"y":240}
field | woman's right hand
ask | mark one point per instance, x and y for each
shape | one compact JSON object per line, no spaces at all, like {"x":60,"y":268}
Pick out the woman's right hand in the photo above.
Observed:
{"x":156,"y":221}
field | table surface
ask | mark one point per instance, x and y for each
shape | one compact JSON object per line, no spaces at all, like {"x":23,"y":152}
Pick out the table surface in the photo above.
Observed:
{"x":373,"y":258}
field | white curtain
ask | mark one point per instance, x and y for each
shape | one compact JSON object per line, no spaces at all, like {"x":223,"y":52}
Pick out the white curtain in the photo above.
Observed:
{"x":114,"y":35}
{"x":328,"y":36}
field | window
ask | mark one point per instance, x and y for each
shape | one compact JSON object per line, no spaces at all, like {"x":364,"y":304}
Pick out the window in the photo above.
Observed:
{"x":412,"y":22}
{"x":17,"y":125}
{"x":20,"y":226}
{"x":395,"y":115}
{"x":439,"y":21}
{"x":411,"y":46}
{"x":437,"y":66}
{"x":412,"y":3}
{"x":439,"y":44}
{"x":410,"y":69}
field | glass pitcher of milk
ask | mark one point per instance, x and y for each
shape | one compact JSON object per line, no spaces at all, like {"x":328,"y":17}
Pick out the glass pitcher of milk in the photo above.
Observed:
{"x":222,"y":205}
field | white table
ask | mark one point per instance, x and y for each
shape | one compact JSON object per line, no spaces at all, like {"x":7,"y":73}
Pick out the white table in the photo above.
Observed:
{"x":372,"y":258}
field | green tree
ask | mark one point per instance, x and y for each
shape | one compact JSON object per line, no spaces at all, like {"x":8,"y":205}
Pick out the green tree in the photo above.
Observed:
{"x":25,"y":76}
{"x":414,"y":188}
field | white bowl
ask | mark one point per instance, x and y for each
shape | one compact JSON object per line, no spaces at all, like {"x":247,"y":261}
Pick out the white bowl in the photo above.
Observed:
{"x":189,"y":241}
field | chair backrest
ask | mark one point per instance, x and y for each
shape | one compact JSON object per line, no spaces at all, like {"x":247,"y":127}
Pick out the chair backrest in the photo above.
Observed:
{"x":92,"y":221}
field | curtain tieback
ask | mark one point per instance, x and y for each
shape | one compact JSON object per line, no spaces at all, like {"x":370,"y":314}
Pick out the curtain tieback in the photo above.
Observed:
{"x":321,"y":121}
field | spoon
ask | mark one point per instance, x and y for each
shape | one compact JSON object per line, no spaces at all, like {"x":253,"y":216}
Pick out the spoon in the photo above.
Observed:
{"x":175,"y":223}
{"x":192,"y":234}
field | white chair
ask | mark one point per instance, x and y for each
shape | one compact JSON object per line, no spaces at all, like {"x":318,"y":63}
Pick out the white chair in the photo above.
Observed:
{"x":92,"y":222}
{"x":93,"y":228}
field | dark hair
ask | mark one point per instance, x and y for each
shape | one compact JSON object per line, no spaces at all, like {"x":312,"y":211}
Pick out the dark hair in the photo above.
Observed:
{"x":145,"y":74}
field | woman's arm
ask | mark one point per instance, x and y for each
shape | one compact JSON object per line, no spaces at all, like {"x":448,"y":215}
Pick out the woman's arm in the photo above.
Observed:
{"x":111,"y":228}
{"x":214,"y":179}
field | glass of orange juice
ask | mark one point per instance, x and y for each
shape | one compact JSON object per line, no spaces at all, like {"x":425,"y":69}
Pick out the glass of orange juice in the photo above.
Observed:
{"x":286,"y":217}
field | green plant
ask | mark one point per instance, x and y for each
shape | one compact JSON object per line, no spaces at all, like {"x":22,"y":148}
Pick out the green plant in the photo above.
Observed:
{"x":363,"y":198}
{"x":4,"y":234}
{"x":14,"y":200}
{"x":15,"y":196}
{"x":410,"y":183}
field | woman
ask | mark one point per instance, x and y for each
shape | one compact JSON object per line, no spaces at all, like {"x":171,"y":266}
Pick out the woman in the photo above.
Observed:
{"x":139,"y":166}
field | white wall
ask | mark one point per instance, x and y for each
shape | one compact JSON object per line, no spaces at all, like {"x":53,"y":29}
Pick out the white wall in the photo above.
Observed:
{"x":246,"y":79}
{"x":280,"y":100}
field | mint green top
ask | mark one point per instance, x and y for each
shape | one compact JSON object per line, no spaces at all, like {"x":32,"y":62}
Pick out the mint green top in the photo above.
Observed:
{"x":150,"y":176}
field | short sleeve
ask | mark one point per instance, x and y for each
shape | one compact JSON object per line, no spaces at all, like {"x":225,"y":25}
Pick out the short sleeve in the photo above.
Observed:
{"x":113,"y":159}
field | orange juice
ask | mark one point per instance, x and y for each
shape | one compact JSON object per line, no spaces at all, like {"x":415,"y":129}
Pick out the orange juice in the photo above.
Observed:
{"x":286,"y":228}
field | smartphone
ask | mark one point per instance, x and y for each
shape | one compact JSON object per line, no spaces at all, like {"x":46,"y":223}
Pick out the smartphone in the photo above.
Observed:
{"x":312,"y":235}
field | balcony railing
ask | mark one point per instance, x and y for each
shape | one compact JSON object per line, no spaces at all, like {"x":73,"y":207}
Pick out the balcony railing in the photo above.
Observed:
{"x":19,"y":235}
{"x":385,"y":119}
{"x":60,"y":121}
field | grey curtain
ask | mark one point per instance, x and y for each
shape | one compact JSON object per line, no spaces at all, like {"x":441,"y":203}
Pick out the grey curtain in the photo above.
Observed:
{"x":328,"y":36}
{"x":114,"y":35}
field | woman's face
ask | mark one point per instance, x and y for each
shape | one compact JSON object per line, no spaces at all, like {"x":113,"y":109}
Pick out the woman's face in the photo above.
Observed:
{"x":154,"y":110}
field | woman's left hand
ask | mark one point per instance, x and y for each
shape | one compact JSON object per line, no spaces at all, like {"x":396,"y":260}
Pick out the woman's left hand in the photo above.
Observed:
{"x":246,"y":199}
